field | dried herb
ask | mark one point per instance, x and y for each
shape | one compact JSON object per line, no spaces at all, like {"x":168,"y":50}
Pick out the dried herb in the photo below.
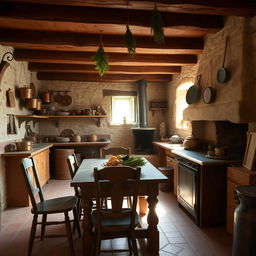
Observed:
{"x":101,"y":60}
{"x":129,"y":41}
{"x":157,"y":26}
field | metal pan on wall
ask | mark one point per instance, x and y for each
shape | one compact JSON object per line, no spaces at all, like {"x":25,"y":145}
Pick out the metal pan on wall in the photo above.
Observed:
{"x":209,"y":92}
{"x":193,"y":92}
{"x":223,"y":73}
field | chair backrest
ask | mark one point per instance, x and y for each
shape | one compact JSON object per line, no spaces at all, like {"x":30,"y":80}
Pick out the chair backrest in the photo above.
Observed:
{"x":73,"y":167}
{"x":114,"y":151}
{"x":72,"y":164}
{"x":31,"y":180}
{"x":116,"y":183}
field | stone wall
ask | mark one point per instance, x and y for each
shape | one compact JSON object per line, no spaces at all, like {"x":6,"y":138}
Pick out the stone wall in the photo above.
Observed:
{"x":86,"y":95}
{"x":234,"y":99}
{"x":15,"y":76}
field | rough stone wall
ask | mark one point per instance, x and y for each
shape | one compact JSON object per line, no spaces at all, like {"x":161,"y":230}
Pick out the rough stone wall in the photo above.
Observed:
{"x":85,"y":94}
{"x":234,"y":99}
{"x":14,"y":76}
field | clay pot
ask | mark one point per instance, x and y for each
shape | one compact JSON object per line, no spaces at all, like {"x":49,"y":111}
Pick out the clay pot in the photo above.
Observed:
{"x":191,"y":142}
{"x":25,"y":93}
{"x":92,"y":138}
{"x":31,"y":104}
{"x":76,"y":138}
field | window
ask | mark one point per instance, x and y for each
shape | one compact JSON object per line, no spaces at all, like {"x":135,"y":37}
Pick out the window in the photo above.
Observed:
{"x":123,"y":110}
{"x":181,"y":104}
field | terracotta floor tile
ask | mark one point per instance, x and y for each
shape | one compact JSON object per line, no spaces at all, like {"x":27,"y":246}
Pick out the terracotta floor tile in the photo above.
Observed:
{"x":178,"y":233}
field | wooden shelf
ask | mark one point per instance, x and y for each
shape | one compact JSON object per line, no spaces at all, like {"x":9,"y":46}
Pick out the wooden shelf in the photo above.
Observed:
{"x":35,"y":118}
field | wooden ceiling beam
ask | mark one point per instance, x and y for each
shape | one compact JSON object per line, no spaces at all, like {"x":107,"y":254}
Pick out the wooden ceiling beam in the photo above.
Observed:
{"x":216,"y":7}
{"x":90,"y":42}
{"x":114,"y":58}
{"x":105,"y":78}
{"x":92,"y":15}
{"x":73,"y":68}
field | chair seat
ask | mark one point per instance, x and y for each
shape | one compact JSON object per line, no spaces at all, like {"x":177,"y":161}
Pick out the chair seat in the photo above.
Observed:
{"x":112,"y":222}
{"x":56,"y":205}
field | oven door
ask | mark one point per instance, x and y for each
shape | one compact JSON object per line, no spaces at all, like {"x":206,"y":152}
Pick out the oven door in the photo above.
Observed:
{"x":188,"y":190}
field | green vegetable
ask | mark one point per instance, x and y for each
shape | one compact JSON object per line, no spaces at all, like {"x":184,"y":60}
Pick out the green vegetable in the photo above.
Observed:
{"x":101,"y":60}
{"x":129,"y":41}
{"x":157,"y":26}
{"x":134,"y":161}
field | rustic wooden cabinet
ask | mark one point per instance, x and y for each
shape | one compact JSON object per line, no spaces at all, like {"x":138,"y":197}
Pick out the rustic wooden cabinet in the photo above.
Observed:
{"x":236,"y":176}
{"x":17,"y":194}
{"x":171,"y":162}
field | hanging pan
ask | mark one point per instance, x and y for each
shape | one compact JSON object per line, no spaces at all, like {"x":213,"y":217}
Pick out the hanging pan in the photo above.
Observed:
{"x":193,"y":92}
{"x":223,"y":74}
{"x":209,"y":92}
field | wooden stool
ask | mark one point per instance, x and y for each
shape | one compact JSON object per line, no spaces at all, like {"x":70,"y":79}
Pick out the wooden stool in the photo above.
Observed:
{"x":168,"y":172}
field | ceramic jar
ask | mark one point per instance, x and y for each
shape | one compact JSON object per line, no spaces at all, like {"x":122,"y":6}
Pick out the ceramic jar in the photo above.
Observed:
{"x":191,"y":142}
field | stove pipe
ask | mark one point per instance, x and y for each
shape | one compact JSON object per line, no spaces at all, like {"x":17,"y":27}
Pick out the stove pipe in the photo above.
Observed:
{"x":143,"y":105}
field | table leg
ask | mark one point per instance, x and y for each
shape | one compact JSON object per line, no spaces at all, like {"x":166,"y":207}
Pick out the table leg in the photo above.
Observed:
{"x":153,"y":233}
{"x":87,"y":237}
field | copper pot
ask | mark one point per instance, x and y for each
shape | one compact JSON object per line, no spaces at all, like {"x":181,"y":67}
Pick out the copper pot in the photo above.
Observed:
{"x":39,"y":105}
{"x":31,"y":104}
{"x":24,"y":145}
{"x":191,"y":142}
{"x":25,"y":93}
{"x":46,"y":97}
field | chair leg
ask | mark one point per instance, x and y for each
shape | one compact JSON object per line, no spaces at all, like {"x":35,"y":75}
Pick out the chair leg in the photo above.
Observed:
{"x":98,"y":244}
{"x":134,"y":244}
{"x":32,"y":234}
{"x":76,"y":221}
{"x":69,"y":234}
{"x":44,"y":218}
{"x":130,"y":246}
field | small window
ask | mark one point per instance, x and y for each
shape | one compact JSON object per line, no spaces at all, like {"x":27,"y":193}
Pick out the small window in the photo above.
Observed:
{"x":123,"y":110}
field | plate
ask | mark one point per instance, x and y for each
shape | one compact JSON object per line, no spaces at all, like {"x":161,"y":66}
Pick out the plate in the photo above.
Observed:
{"x":216,"y":157}
{"x":67,"y":133}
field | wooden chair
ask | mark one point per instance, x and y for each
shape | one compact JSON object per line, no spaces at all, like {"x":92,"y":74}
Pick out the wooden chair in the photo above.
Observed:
{"x":45,"y":207}
{"x":73,"y":167}
{"x":118,"y":221}
{"x":114,"y":151}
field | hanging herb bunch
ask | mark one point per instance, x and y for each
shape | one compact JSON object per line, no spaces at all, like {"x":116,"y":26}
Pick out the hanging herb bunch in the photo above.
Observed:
{"x":157,"y":26}
{"x":101,"y":60}
{"x":129,"y":41}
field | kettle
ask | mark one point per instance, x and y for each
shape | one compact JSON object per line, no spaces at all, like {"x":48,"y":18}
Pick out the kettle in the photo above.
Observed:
{"x":191,"y":142}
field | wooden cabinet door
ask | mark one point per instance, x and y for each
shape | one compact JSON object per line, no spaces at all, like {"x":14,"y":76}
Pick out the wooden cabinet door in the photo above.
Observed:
{"x":42,"y":164}
{"x":174,"y":164}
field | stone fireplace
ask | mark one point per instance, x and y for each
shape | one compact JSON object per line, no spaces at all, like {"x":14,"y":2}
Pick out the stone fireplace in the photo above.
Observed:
{"x":222,"y":134}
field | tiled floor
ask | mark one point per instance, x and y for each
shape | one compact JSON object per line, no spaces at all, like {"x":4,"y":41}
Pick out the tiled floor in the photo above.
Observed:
{"x":178,"y":234}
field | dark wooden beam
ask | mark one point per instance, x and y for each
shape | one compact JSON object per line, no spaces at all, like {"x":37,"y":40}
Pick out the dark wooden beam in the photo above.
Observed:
{"x":90,"y":42}
{"x":98,"y":17}
{"x":213,"y":7}
{"x":114,"y":58}
{"x":73,"y":68}
{"x":105,"y":78}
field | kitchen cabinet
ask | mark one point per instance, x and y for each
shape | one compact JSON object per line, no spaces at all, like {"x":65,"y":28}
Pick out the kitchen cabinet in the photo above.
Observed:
{"x":236,"y":176}
{"x":17,"y":194}
{"x":171,"y":162}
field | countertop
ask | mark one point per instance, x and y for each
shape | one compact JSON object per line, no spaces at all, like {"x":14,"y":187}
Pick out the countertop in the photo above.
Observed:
{"x":37,"y":148}
{"x":201,"y":159}
{"x":167,"y":145}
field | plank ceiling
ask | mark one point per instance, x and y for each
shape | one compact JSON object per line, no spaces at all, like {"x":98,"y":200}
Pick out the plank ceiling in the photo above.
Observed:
{"x":59,"y":37}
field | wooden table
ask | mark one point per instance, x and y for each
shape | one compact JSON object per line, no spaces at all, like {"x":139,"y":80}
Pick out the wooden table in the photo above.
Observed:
{"x":150,"y":178}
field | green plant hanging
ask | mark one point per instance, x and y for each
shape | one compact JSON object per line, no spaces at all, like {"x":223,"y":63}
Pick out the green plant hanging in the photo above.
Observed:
{"x":157,"y":26}
{"x":101,"y":60}
{"x":129,"y":41}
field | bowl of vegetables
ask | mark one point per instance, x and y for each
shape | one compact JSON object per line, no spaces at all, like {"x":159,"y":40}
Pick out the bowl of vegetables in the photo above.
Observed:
{"x":120,"y":160}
